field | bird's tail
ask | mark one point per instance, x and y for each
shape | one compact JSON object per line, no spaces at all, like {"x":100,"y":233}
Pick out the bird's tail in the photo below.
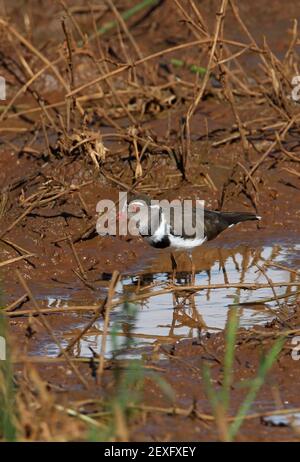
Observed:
{"x":233,"y":218}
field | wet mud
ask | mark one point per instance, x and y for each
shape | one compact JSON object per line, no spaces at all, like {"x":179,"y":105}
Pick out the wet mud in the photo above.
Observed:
{"x":62,"y":270}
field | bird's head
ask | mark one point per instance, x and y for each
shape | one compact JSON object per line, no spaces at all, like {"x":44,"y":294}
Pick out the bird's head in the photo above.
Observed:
{"x":138,"y":210}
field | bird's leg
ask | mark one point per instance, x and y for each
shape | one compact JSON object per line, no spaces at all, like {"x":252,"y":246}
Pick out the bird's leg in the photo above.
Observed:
{"x":222,"y":266}
{"x":196,"y":315}
{"x":174,"y":267}
{"x":190,"y":255}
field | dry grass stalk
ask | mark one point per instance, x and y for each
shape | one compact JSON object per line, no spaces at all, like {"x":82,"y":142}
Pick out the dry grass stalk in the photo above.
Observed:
{"x":112,"y":287}
{"x":50,"y":331}
{"x":178,"y":289}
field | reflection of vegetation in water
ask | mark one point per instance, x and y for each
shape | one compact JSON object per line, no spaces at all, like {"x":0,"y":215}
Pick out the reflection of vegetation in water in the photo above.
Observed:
{"x":220,"y":399}
{"x":128,"y":382}
{"x":127,"y":324}
{"x":207,"y":308}
{"x":7,"y":395}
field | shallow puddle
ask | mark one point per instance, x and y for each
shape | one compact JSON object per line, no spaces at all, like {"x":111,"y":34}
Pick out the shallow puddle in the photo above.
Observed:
{"x":283,"y":420}
{"x":167,"y":317}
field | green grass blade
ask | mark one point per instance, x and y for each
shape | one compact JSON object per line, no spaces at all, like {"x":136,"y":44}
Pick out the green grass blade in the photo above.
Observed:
{"x":230,"y":338}
{"x":198,"y":69}
{"x":209,"y":389}
{"x":192,"y":67}
{"x":256,"y":384}
{"x":8,"y":431}
{"x":126,"y":15}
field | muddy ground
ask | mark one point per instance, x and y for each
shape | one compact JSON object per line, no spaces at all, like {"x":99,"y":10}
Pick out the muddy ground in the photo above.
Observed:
{"x":240,"y":151}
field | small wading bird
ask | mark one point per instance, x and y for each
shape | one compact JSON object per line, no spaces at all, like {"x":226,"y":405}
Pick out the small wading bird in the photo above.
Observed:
{"x":159,"y":230}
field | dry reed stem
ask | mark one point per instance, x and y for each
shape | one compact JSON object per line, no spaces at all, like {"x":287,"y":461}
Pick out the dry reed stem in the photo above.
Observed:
{"x":157,"y":55}
{"x":98,"y":312}
{"x":272,"y":146}
{"x":33,"y":50}
{"x":193,"y":106}
{"x":112,"y":287}
{"x":16,"y":303}
{"x":16,"y":247}
{"x":23,"y":89}
{"x":23,"y":215}
{"x":179,"y":289}
{"x":76,"y":256}
{"x":48,"y":328}
{"x":15,"y":259}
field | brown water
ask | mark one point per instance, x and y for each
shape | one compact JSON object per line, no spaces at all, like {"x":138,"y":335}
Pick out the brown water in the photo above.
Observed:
{"x":175,"y":315}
